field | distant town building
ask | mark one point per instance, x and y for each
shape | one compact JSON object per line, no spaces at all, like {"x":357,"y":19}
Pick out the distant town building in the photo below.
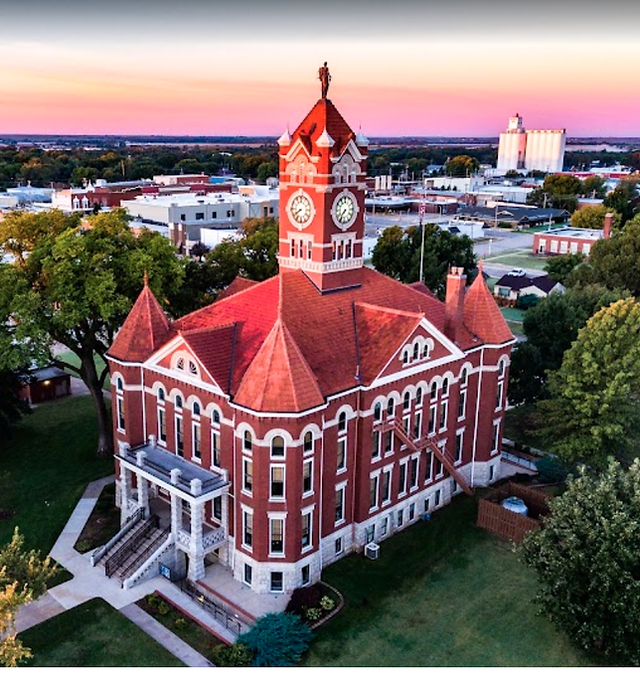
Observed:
{"x":192,"y":217}
{"x":529,"y":150}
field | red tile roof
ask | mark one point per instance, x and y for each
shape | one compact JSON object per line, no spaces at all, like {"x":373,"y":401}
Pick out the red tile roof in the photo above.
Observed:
{"x":381,"y":332}
{"x":482,"y":317}
{"x":144,"y":331}
{"x":214,"y":348}
{"x":324,"y":114}
{"x":279,"y":378}
{"x":238,"y":284}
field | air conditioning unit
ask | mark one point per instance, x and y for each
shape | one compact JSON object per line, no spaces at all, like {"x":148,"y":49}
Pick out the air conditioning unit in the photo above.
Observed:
{"x":372,"y":550}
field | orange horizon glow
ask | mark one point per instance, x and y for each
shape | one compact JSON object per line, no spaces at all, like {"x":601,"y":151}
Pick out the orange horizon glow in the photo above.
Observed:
{"x":145,"y":89}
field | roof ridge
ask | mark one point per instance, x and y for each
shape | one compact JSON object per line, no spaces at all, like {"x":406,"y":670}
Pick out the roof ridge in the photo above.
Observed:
{"x":385,"y":309}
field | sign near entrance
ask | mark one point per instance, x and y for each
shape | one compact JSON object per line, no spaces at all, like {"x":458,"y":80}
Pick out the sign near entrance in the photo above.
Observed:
{"x":165,"y":571}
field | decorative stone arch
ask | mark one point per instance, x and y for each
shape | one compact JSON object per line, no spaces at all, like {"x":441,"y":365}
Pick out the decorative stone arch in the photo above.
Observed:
{"x":193,"y":400}
{"x":118,"y":377}
{"x":156,"y":387}
{"x":283,"y":433}
{"x":173,"y":393}
{"x":209,"y":409}
{"x":503,"y":361}
{"x":469,"y":368}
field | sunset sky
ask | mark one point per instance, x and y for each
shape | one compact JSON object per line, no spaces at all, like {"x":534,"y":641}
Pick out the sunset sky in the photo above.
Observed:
{"x":250,"y":68}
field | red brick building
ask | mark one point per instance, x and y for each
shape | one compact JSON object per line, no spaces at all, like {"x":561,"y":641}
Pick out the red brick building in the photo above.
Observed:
{"x":299,"y":419}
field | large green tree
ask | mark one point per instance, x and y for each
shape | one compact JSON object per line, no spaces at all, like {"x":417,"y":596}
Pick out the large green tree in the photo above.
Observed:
{"x":397,"y":254}
{"x":613,"y":262}
{"x":594,"y":409}
{"x":23,"y":577}
{"x":624,"y":199}
{"x":587,"y":558}
{"x":550,"y":328}
{"x":12,"y":406}
{"x":75,"y":286}
{"x":559,"y":191}
{"x":461,"y":166}
{"x":592,"y":217}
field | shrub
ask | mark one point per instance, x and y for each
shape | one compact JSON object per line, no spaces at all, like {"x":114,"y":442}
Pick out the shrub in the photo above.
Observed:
{"x":233,"y":656}
{"x":277,"y":639}
{"x":313,"y":613}
{"x":552,"y":470}
{"x":303,"y":598}
{"x":327,"y":603}
{"x":180,"y":623}
{"x":163,"y":608}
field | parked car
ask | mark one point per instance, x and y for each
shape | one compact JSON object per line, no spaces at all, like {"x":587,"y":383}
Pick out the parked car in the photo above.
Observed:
{"x":518,"y":272}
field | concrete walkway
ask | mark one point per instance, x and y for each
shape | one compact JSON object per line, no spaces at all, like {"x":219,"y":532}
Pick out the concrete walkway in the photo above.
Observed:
{"x":89,"y":582}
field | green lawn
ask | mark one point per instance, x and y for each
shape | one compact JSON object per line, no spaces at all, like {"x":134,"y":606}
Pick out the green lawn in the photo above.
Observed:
{"x":514,"y":317}
{"x":443,"y":593}
{"x":47,"y":466}
{"x":94,"y":634}
{"x":518,"y":259}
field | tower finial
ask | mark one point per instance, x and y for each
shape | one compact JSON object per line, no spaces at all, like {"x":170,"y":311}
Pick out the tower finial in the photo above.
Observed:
{"x":325,"y":78}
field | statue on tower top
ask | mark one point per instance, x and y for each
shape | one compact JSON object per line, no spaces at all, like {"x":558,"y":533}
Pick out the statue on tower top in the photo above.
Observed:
{"x":325,"y":79}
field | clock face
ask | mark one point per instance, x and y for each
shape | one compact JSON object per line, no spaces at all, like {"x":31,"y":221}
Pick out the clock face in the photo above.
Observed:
{"x":345,"y":210}
{"x":300,"y":209}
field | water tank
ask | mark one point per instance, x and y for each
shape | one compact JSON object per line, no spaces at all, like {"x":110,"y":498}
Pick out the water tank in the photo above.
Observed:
{"x":515,"y":505}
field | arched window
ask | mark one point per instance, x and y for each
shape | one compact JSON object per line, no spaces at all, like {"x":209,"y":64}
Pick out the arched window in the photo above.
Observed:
{"x":406,"y":401}
{"x":426,"y":350}
{"x":445,"y":387}
{"x":161,"y":394}
{"x":277,"y":446}
{"x":192,"y":367}
{"x":342,"y":421}
{"x":419,"y":396}
{"x":308,"y":442}
{"x":434,"y":390}
{"x":180,"y":364}
{"x":391,"y":407}
{"x":247,"y":441}
{"x":405,"y":357}
{"x":196,"y":409}
{"x":119,"y":384}
{"x":377,"y":411}
{"x":464,"y":377}
{"x":416,"y":351}
{"x":178,"y":401}
{"x":215,"y":417}
{"x":502,"y":368}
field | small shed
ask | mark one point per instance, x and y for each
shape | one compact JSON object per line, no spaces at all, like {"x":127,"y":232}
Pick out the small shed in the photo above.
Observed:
{"x":46,"y":384}
{"x":509,"y":525}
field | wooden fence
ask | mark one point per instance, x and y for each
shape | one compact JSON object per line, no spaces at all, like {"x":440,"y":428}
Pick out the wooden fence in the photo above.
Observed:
{"x":492,"y":516}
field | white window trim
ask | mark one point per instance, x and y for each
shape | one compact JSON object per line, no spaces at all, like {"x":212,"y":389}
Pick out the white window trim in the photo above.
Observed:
{"x":272,"y":467}
{"x":343,"y":488}
{"x":247,"y":460}
{"x":308,"y":493}
{"x":277,"y":517}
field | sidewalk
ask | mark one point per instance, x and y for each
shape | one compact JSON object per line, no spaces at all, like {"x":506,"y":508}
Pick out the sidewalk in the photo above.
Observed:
{"x":89,"y":582}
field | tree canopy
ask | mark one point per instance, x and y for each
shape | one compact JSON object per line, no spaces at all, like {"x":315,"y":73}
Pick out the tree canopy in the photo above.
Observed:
{"x":559,"y":191}
{"x":75,"y":286}
{"x":613,"y":262}
{"x":587,"y":558}
{"x":594,"y":410}
{"x":397,"y":254}
{"x":461,"y":166}
{"x":550,"y":328}
{"x":592,"y":217}
{"x":23,"y":577}
{"x":624,"y":199}
{"x":560,"y":267}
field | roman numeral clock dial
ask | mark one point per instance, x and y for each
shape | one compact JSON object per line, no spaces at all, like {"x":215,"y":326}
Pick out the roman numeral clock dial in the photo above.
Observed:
{"x":300,"y":210}
{"x":345,"y":210}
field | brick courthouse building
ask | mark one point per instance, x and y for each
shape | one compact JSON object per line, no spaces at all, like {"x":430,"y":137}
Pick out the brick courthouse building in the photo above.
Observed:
{"x":302,"y":418}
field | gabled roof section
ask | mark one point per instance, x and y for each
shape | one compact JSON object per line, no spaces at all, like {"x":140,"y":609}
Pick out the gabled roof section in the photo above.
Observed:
{"x":238,"y":284}
{"x":481,"y":314}
{"x":279,"y":378}
{"x":145,"y":329}
{"x":214,"y":349}
{"x":380,"y":330}
{"x":322,"y":121}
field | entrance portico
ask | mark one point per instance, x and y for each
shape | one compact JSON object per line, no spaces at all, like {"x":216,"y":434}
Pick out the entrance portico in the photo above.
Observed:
{"x":151,"y":471}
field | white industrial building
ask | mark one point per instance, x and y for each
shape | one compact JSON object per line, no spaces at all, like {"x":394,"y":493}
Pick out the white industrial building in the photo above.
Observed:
{"x":528,"y":150}
{"x":208,"y":218}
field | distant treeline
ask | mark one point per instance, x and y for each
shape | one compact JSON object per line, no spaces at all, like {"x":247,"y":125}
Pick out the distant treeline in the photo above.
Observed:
{"x":75,"y":166}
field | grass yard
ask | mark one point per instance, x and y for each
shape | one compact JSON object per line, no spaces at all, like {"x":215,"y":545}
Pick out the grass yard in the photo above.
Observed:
{"x":47,"y":466}
{"x":443,"y":593}
{"x":518,"y":259}
{"x":514,"y":317}
{"x":94,"y":634}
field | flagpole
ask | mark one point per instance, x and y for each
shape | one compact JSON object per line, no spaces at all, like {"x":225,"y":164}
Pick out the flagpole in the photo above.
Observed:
{"x":421,"y":211}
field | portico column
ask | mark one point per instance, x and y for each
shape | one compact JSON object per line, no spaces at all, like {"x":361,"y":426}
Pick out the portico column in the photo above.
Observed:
{"x":143,"y":488}
{"x":196,"y":555}
{"x":125,"y":493}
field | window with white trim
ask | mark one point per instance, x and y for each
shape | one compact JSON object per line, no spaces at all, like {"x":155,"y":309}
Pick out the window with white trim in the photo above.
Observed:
{"x":428,"y":470}
{"x":496,"y":437}
{"x":374,"y":484}
{"x":196,"y":453}
{"x":179,"y":436}
{"x":307,"y":476}
{"x":459,"y":445}
{"x":499,"y":395}
{"x":414,"y":465}
{"x":277,"y":447}
{"x":375,"y":444}
{"x":247,"y":475}
{"x":162,"y":426}
{"x":305,"y":574}
{"x":432,"y":419}
{"x":307,"y":442}
{"x":406,"y":401}
{"x":215,"y":448}
{"x":247,"y":528}
{"x":417,"y":425}
{"x":248,"y":574}
{"x":386,"y":486}
{"x":276,"y":535}
{"x":247,"y":441}
{"x":462,"y":405}
{"x":121,"y":421}
{"x":339,"y":506}
{"x":402,"y":479}
{"x":388,"y":442}
{"x":444,"y":407}
{"x":277,"y":483}
{"x":307,"y":524}
{"x":276,"y":581}
{"x":341,"y":461}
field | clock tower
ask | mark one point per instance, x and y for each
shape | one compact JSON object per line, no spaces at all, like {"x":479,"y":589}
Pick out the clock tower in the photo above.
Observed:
{"x":322,"y":187}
